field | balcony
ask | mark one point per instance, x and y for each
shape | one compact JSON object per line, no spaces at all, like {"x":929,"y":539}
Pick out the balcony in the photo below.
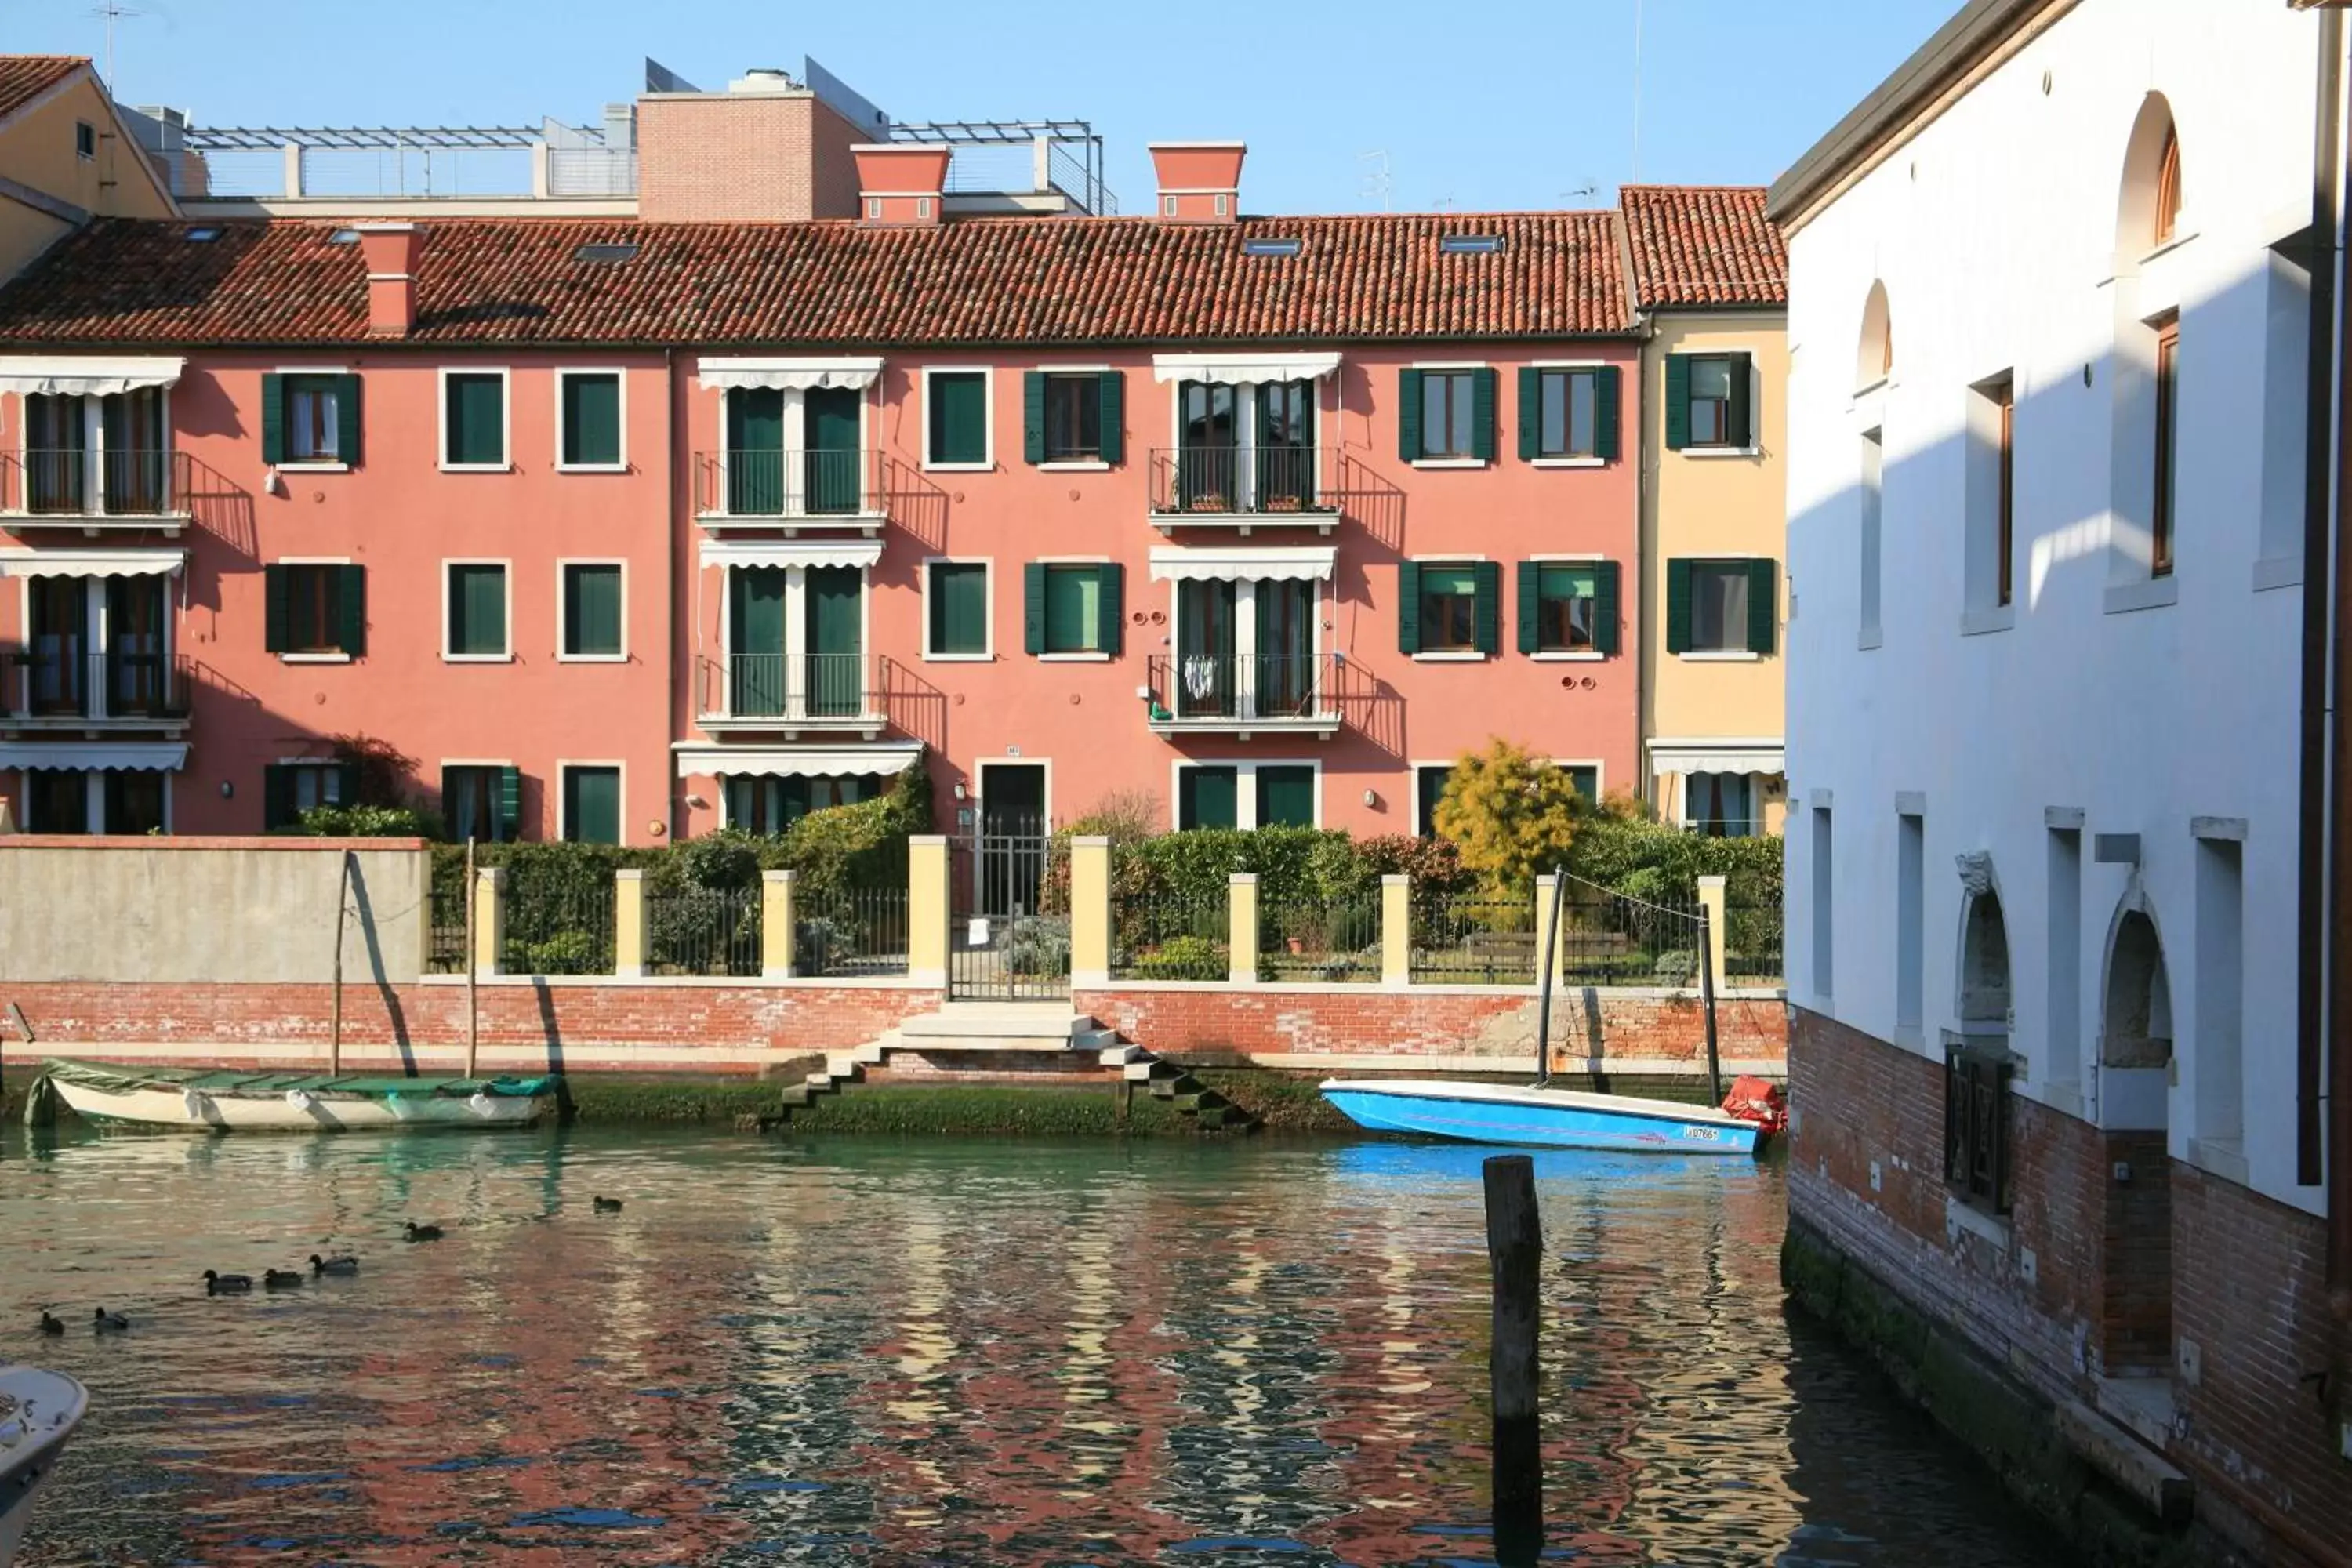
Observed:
{"x":790,"y":489}
{"x":1241,"y":694}
{"x":823,"y":693}
{"x":1245,"y":487}
{"x":41,"y":689}
{"x":95,"y":490}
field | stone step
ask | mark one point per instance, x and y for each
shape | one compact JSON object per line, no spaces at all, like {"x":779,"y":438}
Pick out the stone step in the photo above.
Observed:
{"x":1121,"y":1056}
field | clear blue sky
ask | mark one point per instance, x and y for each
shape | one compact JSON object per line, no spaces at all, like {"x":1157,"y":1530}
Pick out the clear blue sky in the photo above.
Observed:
{"x":1500,"y":103}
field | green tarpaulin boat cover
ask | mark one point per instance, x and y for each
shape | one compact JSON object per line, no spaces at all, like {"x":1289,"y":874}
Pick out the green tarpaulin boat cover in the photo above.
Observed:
{"x":122,"y":1079}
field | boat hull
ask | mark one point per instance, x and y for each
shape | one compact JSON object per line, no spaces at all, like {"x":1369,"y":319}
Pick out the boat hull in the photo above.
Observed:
{"x":1539,"y":1117}
{"x":47,"y":1406}
{"x":199,"y":1101}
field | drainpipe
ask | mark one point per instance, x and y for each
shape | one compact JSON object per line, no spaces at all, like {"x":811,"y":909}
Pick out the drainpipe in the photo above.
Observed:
{"x":679,"y":524}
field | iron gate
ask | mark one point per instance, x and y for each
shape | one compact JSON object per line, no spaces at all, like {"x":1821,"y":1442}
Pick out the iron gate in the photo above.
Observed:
{"x":1009,"y":923}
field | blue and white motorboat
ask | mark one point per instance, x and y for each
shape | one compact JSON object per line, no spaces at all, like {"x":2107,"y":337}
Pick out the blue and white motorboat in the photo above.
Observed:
{"x":1539,"y":1117}
{"x":38,"y":1412}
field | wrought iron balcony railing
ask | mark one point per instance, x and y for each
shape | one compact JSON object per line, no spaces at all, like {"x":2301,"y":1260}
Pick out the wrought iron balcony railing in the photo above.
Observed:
{"x":1271,"y":482}
{"x":120,"y":485}
{"x":755,"y":486}
{"x":785,"y":689}
{"x":60,"y":685}
{"x":1228,"y":690}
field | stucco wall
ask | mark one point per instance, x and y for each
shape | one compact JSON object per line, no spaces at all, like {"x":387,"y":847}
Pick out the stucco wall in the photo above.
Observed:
{"x":149,"y":910}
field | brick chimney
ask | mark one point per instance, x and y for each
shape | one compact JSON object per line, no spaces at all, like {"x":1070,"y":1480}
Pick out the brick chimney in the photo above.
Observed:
{"x":390,"y":250}
{"x":900,"y":183}
{"x":1199,"y":182}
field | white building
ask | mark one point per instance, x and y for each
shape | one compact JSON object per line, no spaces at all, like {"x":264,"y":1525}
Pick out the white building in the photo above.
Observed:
{"x":2050,"y":324}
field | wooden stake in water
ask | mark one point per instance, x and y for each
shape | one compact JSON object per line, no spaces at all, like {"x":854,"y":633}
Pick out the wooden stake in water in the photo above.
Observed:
{"x":1514,"y":1249}
{"x":1550,"y":938}
{"x":335,"y":1018}
{"x":1707,"y":937}
{"x":473,"y":1017}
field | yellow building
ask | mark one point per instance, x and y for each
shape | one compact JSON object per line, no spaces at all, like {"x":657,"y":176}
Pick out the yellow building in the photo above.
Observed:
{"x":1711,"y":280}
{"x":65,"y":157}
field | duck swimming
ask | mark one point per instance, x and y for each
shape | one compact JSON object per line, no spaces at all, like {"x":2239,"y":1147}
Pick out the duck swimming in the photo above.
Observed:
{"x":109,"y":1322}
{"x":424,"y":1232}
{"x":281,"y":1280}
{"x":342,"y":1263}
{"x":217,"y":1284}
{"x":607,"y":1206}
{"x":50,"y":1325}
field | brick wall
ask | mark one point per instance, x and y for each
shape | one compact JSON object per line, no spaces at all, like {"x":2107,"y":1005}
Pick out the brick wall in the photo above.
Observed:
{"x":732,"y":157}
{"x":832,"y":171}
{"x":2098,"y":1276}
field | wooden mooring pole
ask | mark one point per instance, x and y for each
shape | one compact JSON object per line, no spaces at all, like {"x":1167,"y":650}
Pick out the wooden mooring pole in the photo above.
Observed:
{"x":1515,"y":1249}
{"x":1708,"y":937}
{"x":335,"y":1021}
{"x":473,"y":1000}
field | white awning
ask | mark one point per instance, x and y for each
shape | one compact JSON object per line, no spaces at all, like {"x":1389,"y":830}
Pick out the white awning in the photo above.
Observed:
{"x":1723,"y":756}
{"x":790,"y":551}
{"x":1232,"y":368}
{"x":1305,"y":564}
{"x":146,"y":757}
{"x":885,"y":757}
{"x":90,"y":375}
{"x":91,"y":563}
{"x":799,"y":373}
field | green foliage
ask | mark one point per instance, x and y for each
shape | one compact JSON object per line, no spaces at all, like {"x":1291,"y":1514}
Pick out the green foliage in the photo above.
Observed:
{"x":1619,"y":850}
{"x":567,"y":952}
{"x":1038,"y":945}
{"x":1183,"y":958}
{"x":363,"y":822}
{"x":385,"y":775}
{"x":1510,"y":814}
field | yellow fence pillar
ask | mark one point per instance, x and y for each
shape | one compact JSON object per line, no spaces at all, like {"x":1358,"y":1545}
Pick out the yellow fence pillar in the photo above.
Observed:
{"x":1710,"y":899}
{"x":1396,"y":930}
{"x":1241,"y":928}
{"x":1090,"y":911}
{"x":927,"y":910}
{"x":778,"y":890}
{"x":489,"y":918}
{"x":629,"y":924}
{"x":1550,"y":937}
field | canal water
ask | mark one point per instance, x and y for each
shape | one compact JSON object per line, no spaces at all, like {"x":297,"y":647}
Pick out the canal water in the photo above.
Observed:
{"x":837,"y":1352}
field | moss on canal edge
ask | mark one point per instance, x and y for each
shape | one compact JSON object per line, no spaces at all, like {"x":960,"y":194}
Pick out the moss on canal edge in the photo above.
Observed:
{"x":2013,"y":1430}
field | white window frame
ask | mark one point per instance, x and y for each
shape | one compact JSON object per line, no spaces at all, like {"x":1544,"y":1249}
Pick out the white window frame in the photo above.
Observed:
{"x":987,"y":372}
{"x":621,"y":799}
{"x":1595,"y":365}
{"x":1244,"y":787}
{"x":337,"y":656}
{"x":1092,"y":655}
{"x":564,"y":615}
{"x":987,"y":563}
{"x":1572,"y":656}
{"x":342,"y":462}
{"x":620,"y":376}
{"x":507,"y":565}
{"x":506,"y":419}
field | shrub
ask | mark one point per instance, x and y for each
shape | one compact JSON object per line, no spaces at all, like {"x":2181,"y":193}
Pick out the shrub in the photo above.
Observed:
{"x":1183,"y":957}
{"x":565,"y":952}
{"x":1038,"y":945}
{"x":363,"y":822}
{"x":1677,"y":967}
{"x":1510,"y":814}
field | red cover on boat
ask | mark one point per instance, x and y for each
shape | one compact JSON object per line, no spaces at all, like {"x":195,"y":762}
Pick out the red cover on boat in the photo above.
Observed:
{"x":1753,"y":1099}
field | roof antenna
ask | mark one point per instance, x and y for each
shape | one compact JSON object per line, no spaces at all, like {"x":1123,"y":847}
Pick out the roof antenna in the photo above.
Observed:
{"x":1637,"y":92}
{"x":112,"y":10}
{"x":1376,"y":176}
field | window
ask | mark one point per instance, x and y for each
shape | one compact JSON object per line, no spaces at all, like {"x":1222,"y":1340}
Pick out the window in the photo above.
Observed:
{"x":57,"y":800}
{"x":289,"y":789}
{"x":1245,"y":794}
{"x":482,"y":802}
{"x":1448,"y":405}
{"x":592,"y":598}
{"x":957,"y":418}
{"x":1074,"y":420}
{"x":309,"y":417}
{"x":2167,"y":190}
{"x":1910,"y":919}
{"x":2065,"y":969}
{"x":767,"y":805}
{"x":1719,"y":806}
{"x":1208,"y":797}
{"x":1584,"y":778}
{"x":2004,"y":528}
{"x":136,"y":800}
{"x":588,"y":406}
{"x":1976,"y":1127}
{"x":1286,"y":795}
{"x":1709,"y":402}
{"x":1445,"y":415}
{"x":605,"y":253}
{"x":477,"y":603}
{"x":1567,"y":414}
{"x":1270,"y":246}
{"x":1428,"y":789}
{"x":2221,"y":995}
{"x":1874,"y":464}
{"x":592,"y":804}
{"x":1721,"y":607}
{"x":956,"y":610}
{"x":314,"y":608}
{"x":1565,"y":600}
{"x":1470,"y":244}
{"x":1987,"y":485}
{"x":1824,"y":884}
{"x":1449,"y":609}
{"x":2161,"y":515}
{"x":1072,"y":608}
{"x":85,"y":140}
{"x":473,"y":419}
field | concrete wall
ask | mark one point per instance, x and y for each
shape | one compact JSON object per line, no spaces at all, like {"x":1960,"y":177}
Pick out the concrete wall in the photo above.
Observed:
{"x":231,"y":912}
{"x":37,"y":148}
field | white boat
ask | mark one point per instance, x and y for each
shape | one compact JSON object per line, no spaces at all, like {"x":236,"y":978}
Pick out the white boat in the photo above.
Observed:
{"x":38,"y":1412}
{"x":211,"y":1100}
{"x":1549,"y":1118}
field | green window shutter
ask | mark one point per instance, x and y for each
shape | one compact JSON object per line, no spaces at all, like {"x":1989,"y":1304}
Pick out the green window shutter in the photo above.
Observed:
{"x":276,"y":796}
{"x":1032,"y":607}
{"x":1604,"y":605}
{"x":1429,"y":788}
{"x":1586,"y":782}
{"x":592,"y":418}
{"x":1530,"y":597}
{"x":1285,"y":797}
{"x":475,"y":418}
{"x":1110,"y":607}
{"x":1763,"y":605}
{"x":1530,"y":413}
{"x":273,"y":419}
{"x":1678,"y":606}
{"x":958,"y":418}
{"x":1741,"y":419}
{"x":273,"y":609}
{"x":1604,"y":414}
{"x":347,"y":420}
{"x":351,"y":609}
{"x":1487,"y":610}
{"x":1677,"y":419}
{"x":1032,"y":416}
{"x":592,"y":806}
{"x":1408,"y":606}
{"x":1409,"y":415}
{"x":591,"y":610}
{"x":1481,"y":413}
{"x":509,"y":805}
{"x":1207,"y":797}
{"x":1113,"y":390}
{"x":347,"y":784}
{"x":958,"y":607}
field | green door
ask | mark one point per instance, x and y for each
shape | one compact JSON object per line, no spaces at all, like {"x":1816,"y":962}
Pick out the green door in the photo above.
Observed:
{"x":836,"y":683}
{"x":1205,"y":797}
{"x":592,"y":807}
{"x":755,"y":641}
{"x":755,"y":451}
{"x":1206,"y":677}
{"x":832,"y":464}
{"x":1284,"y":676}
{"x":1285,"y":447}
{"x":1286,"y":796}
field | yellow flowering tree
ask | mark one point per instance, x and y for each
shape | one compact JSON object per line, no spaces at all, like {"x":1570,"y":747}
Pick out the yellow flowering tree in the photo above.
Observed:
{"x":1511,"y":815}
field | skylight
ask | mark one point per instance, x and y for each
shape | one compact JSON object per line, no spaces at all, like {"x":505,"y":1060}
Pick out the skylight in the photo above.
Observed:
{"x":343,"y":236}
{"x":1270,"y":246}
{"x":605,"y":253}
{"x":1470,"y":244}
{"x":201,"y":235}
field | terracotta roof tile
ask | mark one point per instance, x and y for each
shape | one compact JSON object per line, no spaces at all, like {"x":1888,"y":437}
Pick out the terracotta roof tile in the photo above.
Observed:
{"x":1704,"y":244}
{"x":24,"y":78}
{"x":978,"y":281}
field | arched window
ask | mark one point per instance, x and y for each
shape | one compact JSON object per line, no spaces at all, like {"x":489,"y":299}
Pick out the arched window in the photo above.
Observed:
{"x":1874,"y":358}
{"x":2136,"y":1026}
{"x":2147,"y":207}
{"x":1984,"y":963}
{"x":2168,"y":189}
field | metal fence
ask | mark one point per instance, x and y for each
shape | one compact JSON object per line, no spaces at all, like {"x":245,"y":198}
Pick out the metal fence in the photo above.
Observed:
{"x":1172,"y":936}
{"x":446,"y":949}
{"x":1610,"y":939}
{"x":704,"y":931}
{"x":850,"y":930}
{"x":559,"y":930}
{"x":1751,"y":942}
{"x":1476,"y":939}
{"x":1325,"y":940}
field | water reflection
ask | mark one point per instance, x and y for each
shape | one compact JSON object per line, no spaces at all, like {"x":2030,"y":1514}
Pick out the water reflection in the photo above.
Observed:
{"x":842,"y":1352}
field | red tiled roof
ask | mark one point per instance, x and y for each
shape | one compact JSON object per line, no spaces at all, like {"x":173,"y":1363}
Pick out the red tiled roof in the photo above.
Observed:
{"x":975,"y":281}
{"x":1704,"y":244}
{"x":24,"y":78}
